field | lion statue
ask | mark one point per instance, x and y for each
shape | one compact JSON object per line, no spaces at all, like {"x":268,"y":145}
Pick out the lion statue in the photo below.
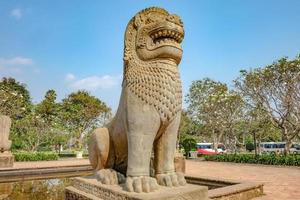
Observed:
{"x":149,"y":111}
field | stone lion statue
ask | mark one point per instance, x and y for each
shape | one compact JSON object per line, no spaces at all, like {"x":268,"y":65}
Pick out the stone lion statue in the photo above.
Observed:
{"x":5,"y":143}
{"x":149,"y":111}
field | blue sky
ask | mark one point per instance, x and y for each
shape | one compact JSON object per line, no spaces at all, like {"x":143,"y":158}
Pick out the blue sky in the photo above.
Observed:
{"x":73,"y":44}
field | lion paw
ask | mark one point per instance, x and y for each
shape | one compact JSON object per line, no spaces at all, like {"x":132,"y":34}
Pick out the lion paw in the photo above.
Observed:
{"x":141,"y":184}
{"x":110,"y":177}
{"x":172,"y":179}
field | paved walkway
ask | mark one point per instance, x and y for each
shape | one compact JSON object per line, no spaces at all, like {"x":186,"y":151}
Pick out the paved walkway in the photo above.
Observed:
{"x":44,"y":164}
{"x":280,"y":183}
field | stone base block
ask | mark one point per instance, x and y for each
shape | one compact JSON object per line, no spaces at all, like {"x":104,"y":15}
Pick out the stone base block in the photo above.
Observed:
{"x":90,"y":189}
{"x":6,"y":160}
{"x":179,"y":163}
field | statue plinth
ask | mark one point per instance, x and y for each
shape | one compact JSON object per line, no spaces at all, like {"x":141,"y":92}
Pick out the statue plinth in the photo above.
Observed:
{"x":89,"y":188}
{"x":6,"y":159}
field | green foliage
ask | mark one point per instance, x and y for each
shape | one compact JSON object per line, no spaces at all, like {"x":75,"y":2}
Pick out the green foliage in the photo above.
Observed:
{"x":266,"y":159}
{"x":215,"y":107}
{"x":49,"y":124}
{"x":15,"y":99}
{"x":67,"y":155}
{"x":188,"y":143}
{"x":264,"y":103}
{"x":81,"y":113}
{"x":189,"y":126}
{"x":249,"y":146}
{"x":206,"y":97}
{"x":71,"y":155}
{"x":35,"y":156}
{"x":32,"y":133}
{"x":48,"y":108}
{"x":273,"y":91}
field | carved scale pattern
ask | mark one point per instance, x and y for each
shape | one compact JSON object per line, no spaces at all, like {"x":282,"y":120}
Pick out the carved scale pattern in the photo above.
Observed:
{"x":157,"y":85}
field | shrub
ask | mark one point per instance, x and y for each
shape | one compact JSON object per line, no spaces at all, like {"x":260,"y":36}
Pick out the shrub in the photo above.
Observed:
{"x":250,"y":147}
{"x":35,"y":156}
{"x":72,"y":155}
{"x":266,"y":159}
{"x":188,"y":143}
{"x":67,"y":155}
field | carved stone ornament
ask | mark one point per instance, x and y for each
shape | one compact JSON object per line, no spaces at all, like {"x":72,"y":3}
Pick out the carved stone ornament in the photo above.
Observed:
{"x":5,"y":124}
{"x":6,"y":157}
{"x":148,"y":116}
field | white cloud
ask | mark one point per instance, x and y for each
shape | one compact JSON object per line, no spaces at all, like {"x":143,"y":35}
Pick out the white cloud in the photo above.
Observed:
{"x":15,"y":61}
{"x":16,"y":13}
{"x":14,"y":65}
{"x":70,"y":77}
{"x":93,"y":83}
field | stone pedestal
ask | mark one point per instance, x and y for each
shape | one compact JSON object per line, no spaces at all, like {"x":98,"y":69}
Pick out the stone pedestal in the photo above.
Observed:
{"x":6,"y":160}
{"x":179,"y":162}
{"x":90,"y":189}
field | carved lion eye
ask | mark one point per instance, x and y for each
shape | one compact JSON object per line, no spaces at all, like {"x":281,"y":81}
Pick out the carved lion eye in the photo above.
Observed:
{"x":175,"y":19}
{"x":171,"y":18}
{"x":149,"y":21}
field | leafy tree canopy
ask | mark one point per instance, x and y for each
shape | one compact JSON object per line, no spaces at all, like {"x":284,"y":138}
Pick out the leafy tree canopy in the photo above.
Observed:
{"x":14,"y":98}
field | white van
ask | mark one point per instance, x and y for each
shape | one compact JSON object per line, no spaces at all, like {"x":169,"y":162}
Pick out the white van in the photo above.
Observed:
{"x":273,"y":147}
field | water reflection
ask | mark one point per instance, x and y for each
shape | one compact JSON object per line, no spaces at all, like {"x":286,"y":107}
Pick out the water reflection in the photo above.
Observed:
{"x":51,"y":189}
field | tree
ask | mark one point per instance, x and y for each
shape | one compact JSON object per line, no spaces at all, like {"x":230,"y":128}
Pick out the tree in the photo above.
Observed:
{"x":48,"y":108}
{"x":14,"y":98}
{"x":188,"y":126}
{"x":276,"y":89}
{"x":204,"y":106}
{"x":233,"y":113}
{"x":214,"y":106}
{"x":80,"y":112}
{"x":41,"y":128}
{"x":188,"y":143}
{"x":189,"y":133}
{"x":257,"y":124}
{"x":30,"y":133}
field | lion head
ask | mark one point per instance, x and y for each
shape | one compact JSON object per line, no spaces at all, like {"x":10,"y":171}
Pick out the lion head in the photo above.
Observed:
{"x":155,"y":34}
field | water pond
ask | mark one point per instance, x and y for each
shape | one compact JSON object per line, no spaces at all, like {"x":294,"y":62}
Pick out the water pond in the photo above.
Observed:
{"x":50,"y":189}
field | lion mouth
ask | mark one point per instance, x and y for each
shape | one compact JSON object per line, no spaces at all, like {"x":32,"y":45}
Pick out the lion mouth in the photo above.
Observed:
{"x":166,"y":37}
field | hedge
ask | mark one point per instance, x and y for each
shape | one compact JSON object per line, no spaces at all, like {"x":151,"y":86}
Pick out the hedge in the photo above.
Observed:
{"x":71,"y":155}
{"x":67,"y":155}
{"x":35,"y":156}
{"x":266,"y":159}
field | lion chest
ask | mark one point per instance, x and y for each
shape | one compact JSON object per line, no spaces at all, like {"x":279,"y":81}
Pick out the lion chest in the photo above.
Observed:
{"x":159,"y":87}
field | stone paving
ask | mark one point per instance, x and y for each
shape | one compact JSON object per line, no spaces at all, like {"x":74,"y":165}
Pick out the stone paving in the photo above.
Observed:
{"x":282,"y":183}
{"x":44,"y":164}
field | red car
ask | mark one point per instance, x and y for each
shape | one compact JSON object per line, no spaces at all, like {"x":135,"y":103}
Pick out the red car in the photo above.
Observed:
{"x":207,"y":148}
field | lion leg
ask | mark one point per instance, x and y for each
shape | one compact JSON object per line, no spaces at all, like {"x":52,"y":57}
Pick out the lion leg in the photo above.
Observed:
{"x":142,"y":128}
{"x":164,"y":150}
{"x":99,"y":148}
{"x":138,"y":169}
{"x":110,"y":177}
